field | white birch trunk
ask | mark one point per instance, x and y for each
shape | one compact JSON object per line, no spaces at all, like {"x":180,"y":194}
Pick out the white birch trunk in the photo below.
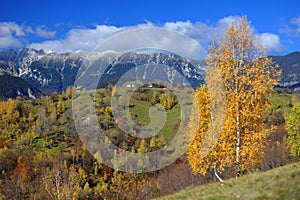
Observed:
{"x":216,"y":174}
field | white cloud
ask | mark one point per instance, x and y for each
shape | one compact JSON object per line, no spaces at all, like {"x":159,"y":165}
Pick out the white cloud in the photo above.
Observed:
{"x":296,"y":21}
{"x":227,"y":21}
{"x":12,"y":35}
{"x":292,"y":28}
{"x":9,"y":41}
{"x":43,"y":32}
{"x":9,"y":33}
{"x":271,"y":42}
{"x":202,"y":32}
{"x":145,"y":38}
{"x":87,"y":39}
{"x":9,"y":28}
{"x":78,"y":39}
{"x":205,"y":33}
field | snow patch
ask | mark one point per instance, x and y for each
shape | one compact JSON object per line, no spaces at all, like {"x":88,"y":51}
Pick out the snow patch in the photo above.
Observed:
{"x":19,"y":93}
{"x":30,"y":94}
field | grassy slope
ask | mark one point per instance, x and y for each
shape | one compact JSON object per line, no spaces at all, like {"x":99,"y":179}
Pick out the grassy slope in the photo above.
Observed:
{"x":279,"y":183}
{"x":140,"y":115}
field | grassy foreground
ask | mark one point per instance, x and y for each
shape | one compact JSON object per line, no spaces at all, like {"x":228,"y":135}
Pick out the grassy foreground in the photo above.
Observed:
{"x":279,"y":183}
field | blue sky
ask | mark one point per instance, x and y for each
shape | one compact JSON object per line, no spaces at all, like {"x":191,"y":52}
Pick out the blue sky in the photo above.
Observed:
{"x":80,"y":25}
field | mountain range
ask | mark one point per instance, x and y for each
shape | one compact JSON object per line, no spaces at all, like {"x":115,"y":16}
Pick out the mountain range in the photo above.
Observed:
{"x":44,"y":72}
{"x":51,"y":71}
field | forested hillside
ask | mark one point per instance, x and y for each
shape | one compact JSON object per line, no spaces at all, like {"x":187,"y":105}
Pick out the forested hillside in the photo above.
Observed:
{"x":41,"y":156}
{"x":12,"y":87}
{"x":290,"y":65}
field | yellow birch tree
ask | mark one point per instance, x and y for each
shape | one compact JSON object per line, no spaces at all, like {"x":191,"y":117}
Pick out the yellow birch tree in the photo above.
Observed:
{"x":248,"y":77}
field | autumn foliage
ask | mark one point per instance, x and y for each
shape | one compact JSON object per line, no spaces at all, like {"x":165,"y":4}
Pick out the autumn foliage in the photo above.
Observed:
{"x":248,"y":78}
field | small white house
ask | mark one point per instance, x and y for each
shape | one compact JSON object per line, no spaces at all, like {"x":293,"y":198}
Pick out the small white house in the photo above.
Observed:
{"x":130,"y":85}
